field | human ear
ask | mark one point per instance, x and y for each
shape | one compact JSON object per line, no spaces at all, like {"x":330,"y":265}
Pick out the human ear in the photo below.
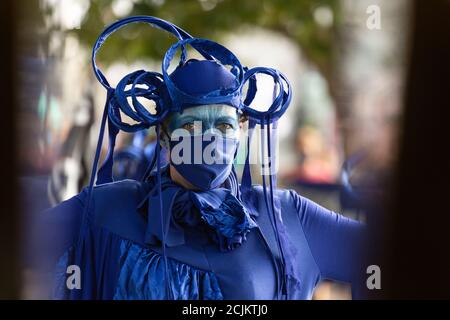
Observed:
{"x":242,"y":120}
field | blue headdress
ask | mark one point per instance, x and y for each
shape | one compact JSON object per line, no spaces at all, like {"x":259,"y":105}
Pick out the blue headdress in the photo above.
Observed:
{"x":181,"y":89}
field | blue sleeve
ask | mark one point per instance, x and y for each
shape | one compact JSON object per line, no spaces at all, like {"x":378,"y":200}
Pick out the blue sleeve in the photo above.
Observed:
{"x":335,"y":241}
{"x":53,"y":231}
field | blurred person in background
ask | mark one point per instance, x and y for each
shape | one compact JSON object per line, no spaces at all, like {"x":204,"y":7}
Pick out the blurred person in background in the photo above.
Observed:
{"x":317,"y":161}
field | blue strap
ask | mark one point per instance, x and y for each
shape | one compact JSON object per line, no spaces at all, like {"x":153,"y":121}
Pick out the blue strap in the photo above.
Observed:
{"x":164,"y":224}
{"x":276,"y":214}
{"x":104,"y":174}
{"x":252,"y":87}
{"x":271,"y":213}
{"x":279,"y":105}
{"x":151,"y":166}
{"x":86,"y":218}
{"x":246,"y":182}
{"x":289,"y":254}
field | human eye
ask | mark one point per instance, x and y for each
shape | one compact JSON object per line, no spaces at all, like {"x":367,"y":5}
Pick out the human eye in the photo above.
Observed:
{"x":189,"y":126}
{"x":224,"y":127}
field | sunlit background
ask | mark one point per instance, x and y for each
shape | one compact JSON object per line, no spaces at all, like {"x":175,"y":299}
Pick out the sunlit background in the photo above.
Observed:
{"x":339,"y":133}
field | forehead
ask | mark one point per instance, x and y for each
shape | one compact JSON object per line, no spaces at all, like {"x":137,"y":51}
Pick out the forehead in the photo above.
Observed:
{"x":205,"y":113}
{"x":210,"y":110}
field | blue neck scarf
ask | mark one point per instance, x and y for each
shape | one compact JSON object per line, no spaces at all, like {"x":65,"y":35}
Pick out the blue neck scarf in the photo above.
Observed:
{"x":218,"y":212}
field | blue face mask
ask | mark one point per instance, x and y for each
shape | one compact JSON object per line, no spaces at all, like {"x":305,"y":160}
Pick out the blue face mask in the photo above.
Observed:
{"x":204,"y":150}
{"x":204,"y":160}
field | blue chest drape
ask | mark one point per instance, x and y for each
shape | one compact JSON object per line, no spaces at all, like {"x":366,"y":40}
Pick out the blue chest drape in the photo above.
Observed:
{"x":117,"y":263}
{"x":116,"y":268}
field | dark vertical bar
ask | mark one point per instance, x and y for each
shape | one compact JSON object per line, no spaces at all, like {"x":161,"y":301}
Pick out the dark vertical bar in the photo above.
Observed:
{"x":418,"y":248}
{"x":9,"y":215}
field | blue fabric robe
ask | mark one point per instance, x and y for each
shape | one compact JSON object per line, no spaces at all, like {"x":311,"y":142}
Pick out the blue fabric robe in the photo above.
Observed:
{"x":116,"y":261}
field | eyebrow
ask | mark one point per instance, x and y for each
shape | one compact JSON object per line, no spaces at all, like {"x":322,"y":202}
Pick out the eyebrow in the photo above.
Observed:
{"x":227,"y":118}
{"x":183,"y":118}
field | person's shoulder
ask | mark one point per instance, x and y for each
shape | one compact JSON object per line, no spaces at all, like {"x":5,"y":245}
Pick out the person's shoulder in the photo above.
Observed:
{"x":118,"y":196}
{"x":292,"y":202}
{"x":289,"y":199}
{"x":118,"y":190}
{"x":285,"y":194}
{"x":112,"y":206}
{"x":108,"y":193}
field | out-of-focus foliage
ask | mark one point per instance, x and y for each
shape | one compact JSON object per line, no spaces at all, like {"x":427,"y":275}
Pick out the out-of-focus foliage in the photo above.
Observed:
{"x":210,"y":19}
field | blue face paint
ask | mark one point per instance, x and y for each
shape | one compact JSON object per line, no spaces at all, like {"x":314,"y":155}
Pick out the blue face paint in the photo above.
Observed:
{"x":206,"y":118}
{"x":203,"y":144}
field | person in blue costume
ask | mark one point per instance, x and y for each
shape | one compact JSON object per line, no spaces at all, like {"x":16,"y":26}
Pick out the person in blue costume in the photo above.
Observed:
{"x":189,"y":229}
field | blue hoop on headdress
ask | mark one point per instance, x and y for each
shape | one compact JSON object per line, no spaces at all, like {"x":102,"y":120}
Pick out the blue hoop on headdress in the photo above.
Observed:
{"x":279,"y":104}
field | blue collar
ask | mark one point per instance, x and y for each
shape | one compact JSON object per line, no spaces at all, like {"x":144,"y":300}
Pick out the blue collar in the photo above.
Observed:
{"x":217,"y":212}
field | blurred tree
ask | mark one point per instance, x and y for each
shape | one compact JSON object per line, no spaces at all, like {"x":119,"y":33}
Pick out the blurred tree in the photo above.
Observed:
{"x":314,"y":25}
{"x":210,"y":19}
